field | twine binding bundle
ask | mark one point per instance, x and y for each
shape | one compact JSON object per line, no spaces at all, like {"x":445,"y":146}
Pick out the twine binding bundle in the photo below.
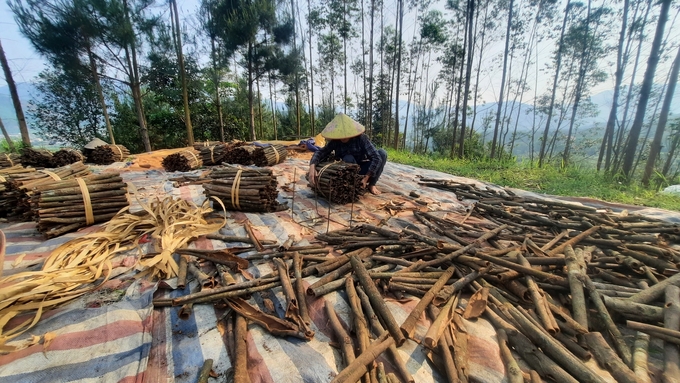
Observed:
{"x":339,"y":182}
{"x":244,"y":189}
{"x":214,"y":154}
{"x":240,"y":154}
{"x":199,"y":145}
{"x":182,"y":162}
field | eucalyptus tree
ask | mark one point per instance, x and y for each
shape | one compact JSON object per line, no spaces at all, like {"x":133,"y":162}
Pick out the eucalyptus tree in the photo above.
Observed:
{"x":647,"y":82}
{"x":177,"y":34}
{"x":506,"y":55}
{"x":655,"y":147}
{"x":26,"y":139}
{"x":468,"y":74}
{"x":244,"y":26}
{"x":216,"y":59}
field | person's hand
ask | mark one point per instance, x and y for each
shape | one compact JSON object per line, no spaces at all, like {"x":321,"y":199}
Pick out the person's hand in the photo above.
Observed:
{"x":311,"y":176}
{"x":364,"y":181}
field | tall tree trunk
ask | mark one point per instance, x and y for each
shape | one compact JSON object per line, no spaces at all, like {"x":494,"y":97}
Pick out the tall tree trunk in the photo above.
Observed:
{"x":363,"y":62}
{"x":607,"y":140}
{"x":655,"y":148}
{"x":671,"y":155}
{"x":10,"y":144}
{"x":479,"y":69}
{"x":25,"y":138}
{"x":272,"y":96}
{"x":344,"y":56}
{"x":558,"y":64}
{"x":494,"y":143}
{"x":580,"y":81}
{"x":396,"y":101}
{"x":311,"y":71}
{"x":183,"y":76}
{"x":617,"y":148}
{"x":100,"y":93}
{"x":369,"y":126}
{"x":647,"y":82}
{"x":297,"y":77}
{"x":251,"y":96}
{"x":259,"y":108}
{"x":216,"y":80}
{"x":458,"y":95}
{"x":468,"y":75}
{"x":133,"y":69}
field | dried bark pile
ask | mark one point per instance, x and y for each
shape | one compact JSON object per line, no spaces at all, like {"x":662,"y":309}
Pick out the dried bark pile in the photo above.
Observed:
{"x":21,"y":187}
{"x":182,"y":162}
{"x":213,"y":154}
{"x":551,"y":276}
{"x":63,"y":157}
{"x":39,"y":158}
{"x":62,"y":207}
{"x":244,"y":189}
{"x":338,"y":182}
{"x":269,"y":155}
{"x":8,"y":160}
{"x":108,"y":154}
{"x":16,"y":171}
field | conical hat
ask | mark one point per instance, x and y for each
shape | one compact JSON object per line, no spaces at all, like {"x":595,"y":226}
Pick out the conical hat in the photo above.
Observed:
{"x":341,"y":127}
{"x":94,"y":143}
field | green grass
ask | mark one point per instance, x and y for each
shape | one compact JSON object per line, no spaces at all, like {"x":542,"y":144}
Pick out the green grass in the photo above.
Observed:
{"x":571,"y":181}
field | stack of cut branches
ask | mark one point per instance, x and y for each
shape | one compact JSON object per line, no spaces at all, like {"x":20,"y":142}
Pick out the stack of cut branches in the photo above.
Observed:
{"x":339,"y":182}
{"x":61,"y":207}
{"x":269,"y":155}
{"x":108,"y":154}
{"x":182,"y":162}
{"x":240,"y":154}
{"x":213,"y":155}
{"x":244,"y":189}
{"x":16,"y":171}
{"x":65,"y":157}
{"x":8,"y":160}
{"x":40,"y":158}
{"x":199,"y":145}
{"x":21,"y":187}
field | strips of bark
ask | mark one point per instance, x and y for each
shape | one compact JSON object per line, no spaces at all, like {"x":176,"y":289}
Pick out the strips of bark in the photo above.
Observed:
{"x":440,"y":323}
{"x":655,"y":292}
{"x":512,"y":369}
{"x":355,"y":370}
{"x":578,"y":300}
{"x":360,"y":324}
{"x":182,"y":272}
{"x":671,"y":353}
{"x":341,"y":336}
{"x":640,"y":357}
{"x":635,"y":310}
{"x":300,"y":288}
{"x":272,"y":324}
{"x":538,"y":297}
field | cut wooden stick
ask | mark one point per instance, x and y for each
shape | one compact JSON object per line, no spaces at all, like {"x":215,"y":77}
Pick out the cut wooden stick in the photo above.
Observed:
{"x":578,"y":299}
{"x":241,"y":350}
{"x":671,"y":353}
{"x":341,"y":335}
{"x":377,"y":301}
{"x":408,"y":327}
{"x":441,"y":322}
{"x":607,"y":358}
{"x":204,"y":373}
{"x":538,"y":297}
{"x":355,"y":370}
{"x":512,"y":369}
{"x":640,"y":357}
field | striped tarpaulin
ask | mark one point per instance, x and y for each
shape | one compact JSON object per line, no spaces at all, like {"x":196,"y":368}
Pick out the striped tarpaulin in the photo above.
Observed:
{"x":115,"y":335}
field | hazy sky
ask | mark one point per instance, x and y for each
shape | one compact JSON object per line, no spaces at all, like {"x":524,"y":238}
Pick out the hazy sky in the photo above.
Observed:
{"x":26,"y":63}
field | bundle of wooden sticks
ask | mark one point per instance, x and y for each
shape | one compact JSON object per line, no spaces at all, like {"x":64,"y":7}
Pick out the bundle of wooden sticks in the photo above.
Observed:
{"x":65,"y":157}
{"x":8,"y":160}
{"x":269,"y":155}
{"x":40,"y":158}
{"x":244,"y":189}
{"x":21,"y":187}
{"x":338,"y":182}
{"x":199,"y":145}
{"x":182,"y":162}
{"x":108,"y":154}
{"x":213,"y":154}
{"x":68,"y":205}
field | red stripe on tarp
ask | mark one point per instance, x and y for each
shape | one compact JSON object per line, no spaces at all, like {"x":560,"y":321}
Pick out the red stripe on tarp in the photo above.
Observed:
{"x":479,"y":350}
{"x":157,"y":365}
{"x":80,"y":339}
{"x":257,"y":368}
{"x":139,"y":378}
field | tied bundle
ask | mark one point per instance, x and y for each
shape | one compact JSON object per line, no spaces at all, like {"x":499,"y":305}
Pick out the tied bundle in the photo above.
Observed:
{"x":108,"y":154}
{"x":65,"y":157}
{"x":65,"y":206}
{"x":240,"y":154}
{"x":182,"y":162}
{"x":269,"y":155}
{"x":199,"y":145}
{"x":40,"y":158}
{"x":214,"y":154}
{"x":339,"y":182}
{"x":8,"y":160}
{"x":21,"y":187}
{"x":5,"y":174}
{"x":244,"y":189}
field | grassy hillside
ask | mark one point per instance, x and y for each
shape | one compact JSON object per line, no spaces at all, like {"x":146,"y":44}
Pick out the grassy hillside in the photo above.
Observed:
{"x":574,"y":181}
